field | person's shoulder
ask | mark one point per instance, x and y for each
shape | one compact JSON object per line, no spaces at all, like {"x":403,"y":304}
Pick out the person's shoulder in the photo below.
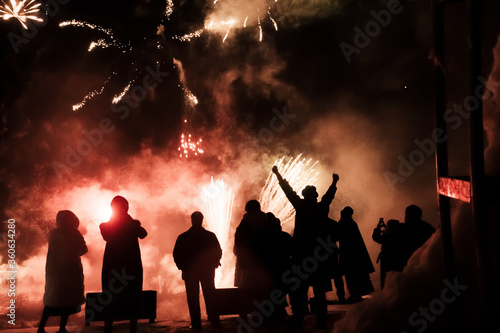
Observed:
{"x":209,"y":233}
{"x":103,"y":225}
{"x":429,"y":226}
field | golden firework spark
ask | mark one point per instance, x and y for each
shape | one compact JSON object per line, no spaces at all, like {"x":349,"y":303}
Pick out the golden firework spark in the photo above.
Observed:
{"x":188,"y":146}
{"x":91,"y":95}
{"x":169,"y":9}
{"x":189,"y":36}
{"x":118,"y":97}
{"x":21,"y":11}
{"x":83,"y":24}
{"x":272,"y":20}
{"x":101,"y":42}
{"x":299,"y":173}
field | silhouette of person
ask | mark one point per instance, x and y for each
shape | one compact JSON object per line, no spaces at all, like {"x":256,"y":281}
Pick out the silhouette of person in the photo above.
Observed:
{"x":122,"y":258}
{"x":281,"y":253}
{"x":391,"y":255}
{"x":252,"y":247}
{"x":415,"y":231}
{"x":197,"y":254}
{"x":354,"y":259}
{"x":310,"y":224}
{"x":333,"y":261}
{"x":63,"y":271}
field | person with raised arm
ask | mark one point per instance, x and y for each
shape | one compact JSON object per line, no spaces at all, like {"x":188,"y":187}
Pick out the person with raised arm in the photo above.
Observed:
{"x":310,"y":227}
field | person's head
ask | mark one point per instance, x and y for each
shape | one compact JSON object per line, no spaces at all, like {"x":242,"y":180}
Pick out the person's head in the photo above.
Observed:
{"x":309,"y":192}
{"x":346,"y":213}
{"x":67,"y":219}
{"x":275,"y":222}
{"x":392,"y":224}
{"x":413,"y":213}
{"x":196,"y":219}
{"x":119,"y":205}
{"x":252,"y":206}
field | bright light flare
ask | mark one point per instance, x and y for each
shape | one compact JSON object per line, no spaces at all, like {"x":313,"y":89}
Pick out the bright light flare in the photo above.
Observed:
{"x":299,"y":173}
{"x":21,"y":11}
{"x":101,"y":211}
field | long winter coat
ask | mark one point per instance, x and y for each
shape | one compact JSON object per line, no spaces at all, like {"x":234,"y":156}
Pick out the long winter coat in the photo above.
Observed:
{"x":63,"y":271}
{"x":122,"y":264}
{"x":353,"y":255}
{"x":252,"y":247}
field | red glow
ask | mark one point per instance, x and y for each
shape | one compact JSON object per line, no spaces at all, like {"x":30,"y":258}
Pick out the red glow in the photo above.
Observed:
{"x":454,"y":188}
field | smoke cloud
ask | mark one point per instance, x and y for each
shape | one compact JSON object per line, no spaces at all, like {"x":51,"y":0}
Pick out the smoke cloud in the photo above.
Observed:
{"x":356,"y":120}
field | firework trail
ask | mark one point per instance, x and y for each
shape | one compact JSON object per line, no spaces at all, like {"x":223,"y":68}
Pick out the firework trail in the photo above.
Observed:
{"x":101,"y":42}
{"x":107,"y":41}
{"x":299,"y":173}
{"x":119,"y":96}
{"x":21,"y":10}
{"x":188,"y":144}
{"x":91,"y":95}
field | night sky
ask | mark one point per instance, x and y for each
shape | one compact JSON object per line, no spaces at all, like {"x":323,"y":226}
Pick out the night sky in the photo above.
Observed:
{"x":358,"y":113}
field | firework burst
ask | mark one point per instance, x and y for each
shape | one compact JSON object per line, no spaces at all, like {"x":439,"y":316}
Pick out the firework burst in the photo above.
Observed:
{"x":21,"y":11}
{"x":218,"y":200}
{"x":299,"y":173}
{"x":189,"y":146}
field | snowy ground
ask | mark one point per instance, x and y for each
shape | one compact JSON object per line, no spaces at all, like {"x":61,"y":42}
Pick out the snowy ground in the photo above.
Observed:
{"x":230,"y":324}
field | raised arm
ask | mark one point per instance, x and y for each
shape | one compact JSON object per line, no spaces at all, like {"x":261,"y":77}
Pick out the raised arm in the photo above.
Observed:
{"x":289,"y":192}
{"x":330,"y":193}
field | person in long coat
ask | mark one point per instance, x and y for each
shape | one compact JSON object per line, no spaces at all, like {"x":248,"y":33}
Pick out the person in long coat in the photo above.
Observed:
{"x":310,"y":223}
{"x":280,"y":255}
{"x":252,"y":248}
{"x":197,"y":254}
{"x":122,"y":261}
{"x":354,"y":259}
{"x":64,"y":289}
